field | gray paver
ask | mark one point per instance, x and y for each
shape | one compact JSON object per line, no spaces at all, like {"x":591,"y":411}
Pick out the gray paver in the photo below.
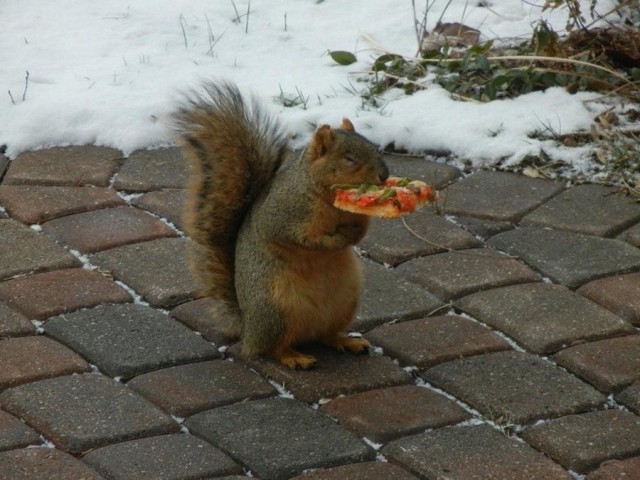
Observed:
{"x":166,"y":457}
{"x":15,"y":434}
{"x":630,"y":397}
{"x":391,"y":242}
{"x":70,"y":166}
{"x":455,"y":274}
{"x":188,"y":389}
{"x":14,"y":324}
{"x":471,"y":453}
{"x":632,"y":235}
{"x":359,"y":471}
{"x":568,"y":258}
{"x":23,"y":250}
{"x":428,"y":341}
{"x":609,"y":365}
{"x":433,"y":173}
{"x":27,"y":359}
{"x":335,"y":373}
{"x":589,"y":209}
{"x":156,"y":269}
{"x":96,"y":230}
{"x":167,"y":203}
{"x":277,"y":438}
{"x":386,"y":296}
{"x":620,"y":294}
{"x":97,"y":411}
{"x":46,"y":294}
{"x":582,"y":442}
{"x":498,"y":196}
{"x":201,"y":316}
{"x":37,"y":204}
{"x":167,"y":164}
{"x":481,"y":227}
{"x":126,"y":340}
{"x":543,"y":318}
{"x":514,"y":386}
{"x":44,"y":464}
{"x":385,"y":414}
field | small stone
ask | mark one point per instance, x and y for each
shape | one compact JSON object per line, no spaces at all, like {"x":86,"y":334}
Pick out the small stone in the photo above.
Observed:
{"x":429,"y":341}
{"x":590,"y":209}
{"x":514,"y":387}
{"x":27,"y":359}
{"x":609,"y":365}
{"x":188,"y":389}
{"x":471,"y":453}
{"x":165,"y":457}
{"x":278,"y":438}
{"x":386,"y":414}
{"x":455,"y":274}
{"x":97,"y":230}
{"x":570,"y":259}
{"x":69,"y":166}
{"x":582,"y":442}
{"x":38,"y":204}
{"x":81,"y":412}
{"x":23,"y":250}
{"x":499,"y":196}
{"x":126,"y":340}
{"x":43,"y":295}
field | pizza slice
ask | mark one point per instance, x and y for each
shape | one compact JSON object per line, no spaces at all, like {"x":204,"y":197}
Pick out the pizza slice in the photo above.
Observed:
{"x":397,"y":196}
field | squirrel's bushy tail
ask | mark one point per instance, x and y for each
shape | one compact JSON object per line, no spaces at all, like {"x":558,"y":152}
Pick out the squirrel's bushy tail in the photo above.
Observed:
{"x":234,"y":148}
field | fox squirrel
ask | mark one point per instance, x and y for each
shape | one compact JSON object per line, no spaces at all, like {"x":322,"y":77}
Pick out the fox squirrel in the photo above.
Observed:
{"x":267,"y":242}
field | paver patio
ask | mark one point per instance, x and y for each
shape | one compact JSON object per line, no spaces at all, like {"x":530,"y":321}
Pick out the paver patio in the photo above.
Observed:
{"x":484,"y":366}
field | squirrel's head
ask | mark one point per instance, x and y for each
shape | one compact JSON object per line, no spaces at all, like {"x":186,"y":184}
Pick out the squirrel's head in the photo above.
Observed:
{"x":342,"y":156}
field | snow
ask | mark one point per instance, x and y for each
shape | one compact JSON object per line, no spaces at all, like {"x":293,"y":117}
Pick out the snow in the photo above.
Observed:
{"x":111,"y":73}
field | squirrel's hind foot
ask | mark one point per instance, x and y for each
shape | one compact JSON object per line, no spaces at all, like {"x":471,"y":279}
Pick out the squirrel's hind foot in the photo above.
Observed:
{"x":343,"y":343}
{"x":293,"y":359}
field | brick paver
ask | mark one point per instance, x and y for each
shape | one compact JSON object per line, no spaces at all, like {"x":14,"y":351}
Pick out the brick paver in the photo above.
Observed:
{"x":44,"y":463}
{"x":126,"y":340}
{"x":610,"y":364}
{"x":69,"y":166}
{"x":167,"y":164}
{"x":38,"y":204}
{"x":165,"y":457}
{"x":441,"y":394}
{"x":514,"y":387}
{"x":620,"y":294}
{"x":428,"y":341}
{"x":106,"y":228}
{"x":455,"y":274}
{"x":82,"y":412}
{"x":188,"y":389}
{"x":582,"y":442}
{"x":23,"y":250}
{"x":21,"y":365}
{"x":543,"y":318}
{"x":471,"y":453}
{"x":47,"y":294}
{"x":386,"y":414}
{"x":143,"y":266}
{"x":276,"y":438}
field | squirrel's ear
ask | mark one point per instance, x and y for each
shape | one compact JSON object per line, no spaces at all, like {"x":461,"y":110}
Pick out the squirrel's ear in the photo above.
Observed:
{"x":347,"y":125}
{"x":323,"y":138}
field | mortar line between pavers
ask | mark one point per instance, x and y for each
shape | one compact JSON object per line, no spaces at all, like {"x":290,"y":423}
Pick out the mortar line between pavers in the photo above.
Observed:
{"x":128,"y":197}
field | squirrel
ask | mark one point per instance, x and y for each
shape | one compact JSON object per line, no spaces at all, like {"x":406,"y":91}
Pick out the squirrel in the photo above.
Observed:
{"x":267,"y":242}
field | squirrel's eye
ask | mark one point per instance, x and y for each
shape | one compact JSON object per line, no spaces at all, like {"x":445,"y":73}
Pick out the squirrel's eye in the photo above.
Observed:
{"x":350,"y":160}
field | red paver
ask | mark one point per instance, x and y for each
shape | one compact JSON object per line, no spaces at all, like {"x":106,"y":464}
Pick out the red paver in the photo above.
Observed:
{"x":200,"y":315}
{"x":27,"y":359}
{"x":44,"y":463}
{"x":47,"y":294}
{"x":617,"y":470}
{"x":609,"y":365}
{"x":167,"y":203}
{"x":73,"y":166}
{"x":14,"y":324}
{"x":359,"y":471}
{"x":15,"y":434}
{"x":98,"y":230}
{"x":37,"y":204}
{"x":386,"y":414}
{"x":432,"y":340}
{"x":620,"y":294}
